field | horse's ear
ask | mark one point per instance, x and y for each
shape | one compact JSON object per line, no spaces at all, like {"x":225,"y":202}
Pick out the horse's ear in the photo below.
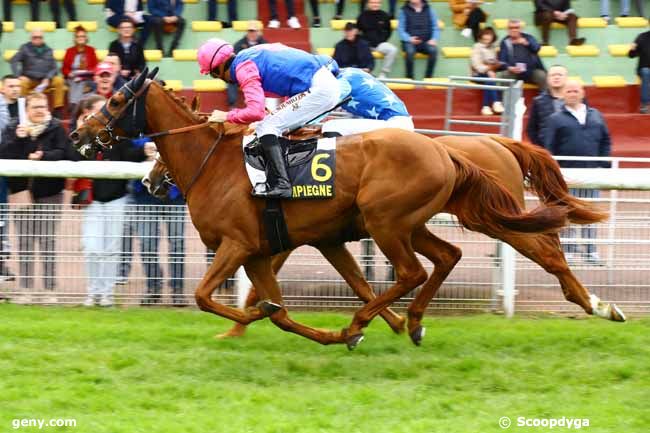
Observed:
{"x":196,"y":103}
{"x":139,"y":80}
{"x":153,"y":73}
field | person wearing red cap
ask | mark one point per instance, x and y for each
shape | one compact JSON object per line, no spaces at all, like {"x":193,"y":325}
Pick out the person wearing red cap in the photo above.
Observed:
{"x":104,"y":79}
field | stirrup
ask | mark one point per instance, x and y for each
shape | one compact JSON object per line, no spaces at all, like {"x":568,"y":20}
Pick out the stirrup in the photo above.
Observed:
{"x":272,"y":192}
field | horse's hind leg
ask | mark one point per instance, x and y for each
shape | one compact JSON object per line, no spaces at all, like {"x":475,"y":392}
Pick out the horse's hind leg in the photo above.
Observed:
{"x":345,"y":264}
{"x":261,"y":274}
{"x":444,"y":257}
{"x":229,"y":256}
{"x":545,"y":250}
{"x":409,"y":272}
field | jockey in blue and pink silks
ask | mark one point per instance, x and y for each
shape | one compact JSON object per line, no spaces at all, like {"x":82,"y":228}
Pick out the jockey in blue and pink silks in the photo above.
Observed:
{"x":273,"y":69}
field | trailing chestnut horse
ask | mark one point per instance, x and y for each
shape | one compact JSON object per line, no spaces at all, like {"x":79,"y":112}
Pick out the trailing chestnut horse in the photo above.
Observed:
{"x":508,"y":160}
{"x":390,"y":182}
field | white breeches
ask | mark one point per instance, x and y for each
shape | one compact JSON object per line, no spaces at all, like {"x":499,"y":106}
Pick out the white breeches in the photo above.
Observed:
{"x":357,"y":126}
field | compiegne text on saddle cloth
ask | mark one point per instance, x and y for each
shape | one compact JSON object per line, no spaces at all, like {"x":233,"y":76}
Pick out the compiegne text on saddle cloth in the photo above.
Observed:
{"x":311,"y":168}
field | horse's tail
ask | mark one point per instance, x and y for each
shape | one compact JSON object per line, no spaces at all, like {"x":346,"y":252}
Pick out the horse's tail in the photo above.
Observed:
{"x":480,"y":203}
{"x":543,"y":175}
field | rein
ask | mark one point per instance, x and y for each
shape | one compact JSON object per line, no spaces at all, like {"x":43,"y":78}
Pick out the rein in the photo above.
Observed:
{"x":167,"y":132}
{"x":206,"y":158}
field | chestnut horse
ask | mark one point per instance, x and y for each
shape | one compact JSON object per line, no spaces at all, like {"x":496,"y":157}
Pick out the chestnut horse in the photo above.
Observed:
{"x":508,"y":160}
{"x":389,"y":182}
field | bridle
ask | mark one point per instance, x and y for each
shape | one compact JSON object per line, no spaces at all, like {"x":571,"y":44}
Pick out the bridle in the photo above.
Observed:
{"x":107,"y":135}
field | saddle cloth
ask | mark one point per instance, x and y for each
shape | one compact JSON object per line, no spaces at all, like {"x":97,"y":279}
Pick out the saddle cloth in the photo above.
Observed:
{"x":311,"y":165}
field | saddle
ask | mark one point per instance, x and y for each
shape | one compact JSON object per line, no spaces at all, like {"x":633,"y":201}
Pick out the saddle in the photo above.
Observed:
{"x":296,"y":152}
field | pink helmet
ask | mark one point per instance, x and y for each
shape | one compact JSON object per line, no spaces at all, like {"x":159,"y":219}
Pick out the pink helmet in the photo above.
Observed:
{"x":212,"y":53}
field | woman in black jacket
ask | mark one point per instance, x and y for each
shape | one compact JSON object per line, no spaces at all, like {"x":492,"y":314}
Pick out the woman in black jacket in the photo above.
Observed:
{"x":40,"y":138}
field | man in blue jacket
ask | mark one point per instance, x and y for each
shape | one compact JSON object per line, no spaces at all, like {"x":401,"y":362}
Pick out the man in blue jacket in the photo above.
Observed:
{"x":353,"y":51}
{"x":418,"y":30}
{"x":579,"y":130}
{"x":166,"y":16}
{"x":518,"y":56}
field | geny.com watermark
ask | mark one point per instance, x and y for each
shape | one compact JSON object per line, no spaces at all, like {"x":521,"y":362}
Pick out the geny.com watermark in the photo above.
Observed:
{"x":41,"y":423}
{"x":564,"y":422}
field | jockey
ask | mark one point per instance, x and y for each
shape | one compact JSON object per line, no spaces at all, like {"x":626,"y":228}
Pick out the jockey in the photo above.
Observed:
{"x":375,"y":103}
{"x":307,"y":79}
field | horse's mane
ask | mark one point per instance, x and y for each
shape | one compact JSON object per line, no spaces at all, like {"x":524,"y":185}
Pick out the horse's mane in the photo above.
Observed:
{"x":230,"y":128}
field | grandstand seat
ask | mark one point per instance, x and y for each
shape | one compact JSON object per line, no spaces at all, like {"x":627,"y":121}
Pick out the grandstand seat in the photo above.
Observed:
{"x":608,"y":81}
{"x":242,"y":26}
{"x":209,"y":85}
{"x":437,"y":80}
{"x":582,"y":50}
{"x":206,"y":26}
{"x":96,"y":2}
{"x":631,"y":22}
{"x":618,"y":50}
{"x":184,"y":55}
{"x":58,"y":55}
{"x":456,"y":52}
{"x":101,"y":54}
{"x":400,"y":86}
{"x":89,"y":26}
{"x":547,"y":51}
{"x":502,"y":23}
{"x":8,"y":26}
{"x":8,"y":54}
{"x":174,"y":85}
{"x":153,"y":55}
{"x":46,"y":26}
{"x":592,"y":23}
{"x":325,"y":51}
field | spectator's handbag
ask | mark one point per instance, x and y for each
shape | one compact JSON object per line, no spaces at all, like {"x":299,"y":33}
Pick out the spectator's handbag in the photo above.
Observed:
{"x":83,"y":193}
{"x":169,"y":27}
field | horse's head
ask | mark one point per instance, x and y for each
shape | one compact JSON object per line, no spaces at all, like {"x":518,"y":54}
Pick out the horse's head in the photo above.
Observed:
{"x":158,"y":181}
{"x":122,"y":115}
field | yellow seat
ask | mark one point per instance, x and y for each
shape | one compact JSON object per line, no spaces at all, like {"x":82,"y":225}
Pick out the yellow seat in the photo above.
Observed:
{"x":377,"y":55}
{"x":631,"y":22}
{"x":578,"y":79}
{"x":242,"y":26}
{"x":400,"y":86}
{"x":325,"y":51}
{"x":8,"y":54}
{"x":96,"y":2}
{"x":46,"y":26}
{"x":90,"y":26}
{"x":457,"y":52}
{"x":153,"y":55}
{"x":340,"y":24}
{"x":209,"y":85}
{"x":530,"y":86}
{"x":592,"y":23}
{"x":8,"y":26}
{"x":583,"y":51}
{"x":206,"y":26}
{"x":618,"y":50}
{"x":608,"y":81}
{"x":59,"y":55}
{"x":184,"y":55}
{"x":190,"y":1}
{"x":417,"y":55}
{"x":555,"y":25}
{"x":547,"y":51}
{"x":502,"y":23}
{"x":101,"y":54}
{"x":174,"y":85}
{"x":437,"y":80}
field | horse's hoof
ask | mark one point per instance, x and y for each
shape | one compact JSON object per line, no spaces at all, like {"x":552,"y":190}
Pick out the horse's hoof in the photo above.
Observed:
{"x":234,"y":332}
{"x":269,"y":308}
{"x":616,"y":314}
{"x":353,"y":341}
{"x":417,"y":335}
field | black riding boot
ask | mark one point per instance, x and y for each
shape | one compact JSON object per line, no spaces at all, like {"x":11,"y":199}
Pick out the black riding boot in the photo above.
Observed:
{"x":277,"y":179}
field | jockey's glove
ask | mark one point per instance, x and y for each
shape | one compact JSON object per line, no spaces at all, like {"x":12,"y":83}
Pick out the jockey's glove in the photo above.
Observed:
{"x":218,"y":116}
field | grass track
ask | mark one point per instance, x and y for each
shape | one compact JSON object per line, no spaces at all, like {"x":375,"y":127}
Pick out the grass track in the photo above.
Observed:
{"x":159,"y":371}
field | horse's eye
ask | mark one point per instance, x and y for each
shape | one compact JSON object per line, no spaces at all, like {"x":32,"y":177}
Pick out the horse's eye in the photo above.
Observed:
{"x":114,"y":103}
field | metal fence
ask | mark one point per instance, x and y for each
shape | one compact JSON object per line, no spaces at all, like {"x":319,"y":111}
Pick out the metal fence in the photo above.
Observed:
{"x":161,"y":251}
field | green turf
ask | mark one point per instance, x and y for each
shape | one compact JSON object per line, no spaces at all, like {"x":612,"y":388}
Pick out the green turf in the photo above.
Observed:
{"x":161,"y":371}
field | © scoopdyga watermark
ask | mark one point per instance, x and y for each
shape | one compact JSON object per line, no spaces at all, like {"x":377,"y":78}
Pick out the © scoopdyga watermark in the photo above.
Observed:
{"x":42,"y":423}
{"x":564,"y":422}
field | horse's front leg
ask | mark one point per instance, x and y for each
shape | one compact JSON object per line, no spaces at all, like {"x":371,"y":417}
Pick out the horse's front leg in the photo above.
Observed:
{"x":261,"y":274}
{"x":228,"y":258}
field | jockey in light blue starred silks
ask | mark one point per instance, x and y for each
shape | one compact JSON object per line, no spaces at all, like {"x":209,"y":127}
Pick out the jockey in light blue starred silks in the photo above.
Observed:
{"x":376,"y":105}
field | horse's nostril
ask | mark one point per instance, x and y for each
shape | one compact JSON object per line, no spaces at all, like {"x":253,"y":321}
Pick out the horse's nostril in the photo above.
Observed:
{"x":74,"y":137}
